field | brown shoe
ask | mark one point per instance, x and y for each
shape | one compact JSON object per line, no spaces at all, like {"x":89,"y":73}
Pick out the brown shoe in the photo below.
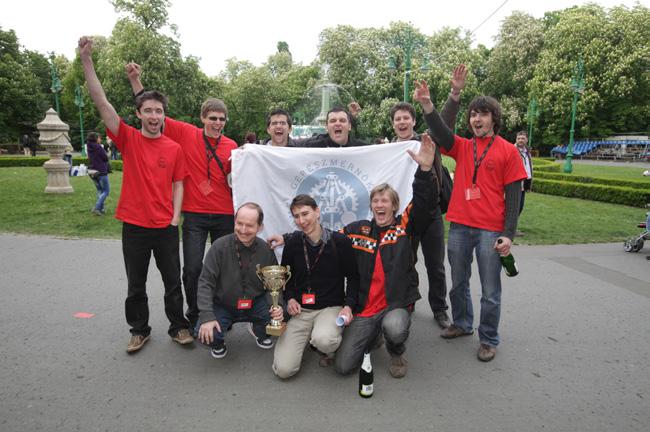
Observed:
{"x":486,"y":353}
{"x":452,"y":332}
{"x":136,"y":343}
{"x":183,"y":337}
{"x":398,"y":366}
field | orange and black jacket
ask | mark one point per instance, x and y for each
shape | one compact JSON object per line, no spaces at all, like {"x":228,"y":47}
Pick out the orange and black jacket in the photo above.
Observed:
{"x":394,"y":246}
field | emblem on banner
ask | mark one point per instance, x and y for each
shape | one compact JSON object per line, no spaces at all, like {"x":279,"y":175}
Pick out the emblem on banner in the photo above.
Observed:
{"x":341,"y":196}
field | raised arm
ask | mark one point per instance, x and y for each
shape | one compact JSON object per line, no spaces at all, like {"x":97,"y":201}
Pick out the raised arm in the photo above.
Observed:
{"x":106,"y":110}
{"x":449,"y":111}
{"x":439,"y":130}
{"x":133,"y":72}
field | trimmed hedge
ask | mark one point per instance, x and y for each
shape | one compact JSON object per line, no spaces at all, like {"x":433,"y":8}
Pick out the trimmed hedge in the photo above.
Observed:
{"x":545,"y":165}
{"x":635,"y":184}
{"x":37,"y":161}
{"x":594,"y":192}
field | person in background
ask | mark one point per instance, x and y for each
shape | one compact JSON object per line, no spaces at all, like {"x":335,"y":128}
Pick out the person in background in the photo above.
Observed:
{"x":98,"y":161}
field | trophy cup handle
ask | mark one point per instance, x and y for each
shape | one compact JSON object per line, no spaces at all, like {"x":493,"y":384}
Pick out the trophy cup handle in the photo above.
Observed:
{"x":258,"y":272}
{"x":288,"y":277}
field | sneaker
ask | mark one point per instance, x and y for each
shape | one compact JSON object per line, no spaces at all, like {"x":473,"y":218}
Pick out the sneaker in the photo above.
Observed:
{"x":96,"y":212}
{"x":442,"y":319}
{"x":486,"y":353}
{"x":398,"y":366}
{"x":263,"y":342}
{"x":219,"y":352}
{"x":183,"y":337}
{"x":136,"y":343}
{"x":452,"y":332}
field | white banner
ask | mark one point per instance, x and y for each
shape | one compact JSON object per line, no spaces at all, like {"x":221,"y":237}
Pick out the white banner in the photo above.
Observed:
{"x":339,"y":179}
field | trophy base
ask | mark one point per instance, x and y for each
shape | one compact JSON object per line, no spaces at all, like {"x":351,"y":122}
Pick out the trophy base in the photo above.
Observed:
{"x":276,"y":331}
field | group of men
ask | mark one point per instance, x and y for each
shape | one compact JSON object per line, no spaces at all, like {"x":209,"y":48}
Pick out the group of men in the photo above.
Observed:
{"x":351,"y":291}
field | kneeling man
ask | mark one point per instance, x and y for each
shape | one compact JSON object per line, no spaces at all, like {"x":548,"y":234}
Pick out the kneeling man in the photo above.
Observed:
{"x":315,"y":296}
{"x":229,"y":289}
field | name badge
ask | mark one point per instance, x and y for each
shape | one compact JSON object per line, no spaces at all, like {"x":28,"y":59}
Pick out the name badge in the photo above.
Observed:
{"x":244,"y":304}
{"x":472,"y":193}
{"x":205,"y":187}
{"x":309,"y":299}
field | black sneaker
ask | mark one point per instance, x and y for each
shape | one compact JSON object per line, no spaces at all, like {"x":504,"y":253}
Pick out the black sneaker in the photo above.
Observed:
{"x":219,"y":352}
{"x":263,"y":342}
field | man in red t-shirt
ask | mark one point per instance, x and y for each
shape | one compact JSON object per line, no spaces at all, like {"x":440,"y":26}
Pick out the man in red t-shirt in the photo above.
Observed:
{"x":207,"y":203}
{"x":149,"y":205}
{"x":483,"y":213}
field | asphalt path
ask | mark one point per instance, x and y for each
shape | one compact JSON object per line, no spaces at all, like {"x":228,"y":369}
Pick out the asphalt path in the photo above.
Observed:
{"x":575,"y":355}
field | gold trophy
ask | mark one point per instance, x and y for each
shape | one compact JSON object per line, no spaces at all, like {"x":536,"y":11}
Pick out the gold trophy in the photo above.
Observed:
{"x":274,"y":278}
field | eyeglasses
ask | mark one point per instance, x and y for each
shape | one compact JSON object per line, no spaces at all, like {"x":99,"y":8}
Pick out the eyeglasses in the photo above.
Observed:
{"x":215,"y":118}
{"x":279,"y":123}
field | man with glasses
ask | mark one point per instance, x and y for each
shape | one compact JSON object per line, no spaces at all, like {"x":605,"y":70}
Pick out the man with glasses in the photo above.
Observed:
{"x":207,"y":203}
{"x":278,"y":126}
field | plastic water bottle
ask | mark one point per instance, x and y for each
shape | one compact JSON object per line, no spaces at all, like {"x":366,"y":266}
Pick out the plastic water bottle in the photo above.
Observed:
{"x":508,"y":263}
{"x":366,"y":377}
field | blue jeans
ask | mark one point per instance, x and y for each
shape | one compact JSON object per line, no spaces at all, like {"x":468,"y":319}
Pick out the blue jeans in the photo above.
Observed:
{"x":226,"y":317}
{"x":463,"y":241}
{"x":103,"y":189}
{"x":196,"y":227}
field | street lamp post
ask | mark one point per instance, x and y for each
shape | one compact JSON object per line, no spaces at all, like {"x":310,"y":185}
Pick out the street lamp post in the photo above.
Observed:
{"x":578,"y":86}
{"x":56,"y":84}
{"x":407,"y":43}
{"x":79,"y":101}
{"x":533,"y":112}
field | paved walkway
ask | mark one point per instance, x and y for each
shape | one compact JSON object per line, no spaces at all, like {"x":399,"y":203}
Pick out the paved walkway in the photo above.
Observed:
{"x":575,"y":356}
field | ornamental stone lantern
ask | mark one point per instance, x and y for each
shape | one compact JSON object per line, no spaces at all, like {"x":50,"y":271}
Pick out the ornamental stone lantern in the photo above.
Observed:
{"x":54,"y":137}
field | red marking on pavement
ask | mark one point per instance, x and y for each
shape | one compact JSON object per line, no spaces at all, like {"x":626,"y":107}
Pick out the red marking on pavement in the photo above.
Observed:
{"x":84,"y":315}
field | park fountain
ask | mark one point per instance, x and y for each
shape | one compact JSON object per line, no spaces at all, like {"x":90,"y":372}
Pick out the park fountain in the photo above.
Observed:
{"x":311,"y":115}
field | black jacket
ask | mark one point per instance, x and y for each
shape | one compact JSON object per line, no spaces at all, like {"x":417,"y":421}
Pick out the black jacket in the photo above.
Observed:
{"x":395,"y":248}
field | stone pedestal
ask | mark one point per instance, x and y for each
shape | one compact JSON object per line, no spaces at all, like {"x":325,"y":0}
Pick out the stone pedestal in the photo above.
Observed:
{"x":54,"y":138}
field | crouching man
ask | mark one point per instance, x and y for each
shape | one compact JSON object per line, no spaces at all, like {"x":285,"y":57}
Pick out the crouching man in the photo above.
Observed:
{"x":316,"y":296}
{"x":229,"y":290}
{"x":388,"y":287}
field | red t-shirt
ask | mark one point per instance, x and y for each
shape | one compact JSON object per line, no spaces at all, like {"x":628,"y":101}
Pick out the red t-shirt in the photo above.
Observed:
{"x":199,"y":196}
{"x":501,"y":166}
{"x":377,"y":294}
{"x":150,"y":167}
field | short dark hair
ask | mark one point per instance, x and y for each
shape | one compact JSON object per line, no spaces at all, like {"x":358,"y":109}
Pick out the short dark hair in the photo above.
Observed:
{"x":213,"y":104}
{"x":338,"y":109}
{"x":92,"y":137}
{"x":402,"y":106}
{"x":251,"y":137}
{"x":486,"y":104}
{"x":303,"y":200}
{"x":254,"y":206}
{"x":522,"y":132}
{"x":278,"y":111}
{"x":151,"y":95}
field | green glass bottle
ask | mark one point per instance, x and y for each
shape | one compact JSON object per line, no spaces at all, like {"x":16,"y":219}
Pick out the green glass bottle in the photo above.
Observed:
{"x":508,"y":263}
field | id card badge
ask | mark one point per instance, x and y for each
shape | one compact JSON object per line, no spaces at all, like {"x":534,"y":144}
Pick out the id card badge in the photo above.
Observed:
{"x":244,"y":304}
{"x":309,"y":299}
{"x":472,"y":193}
{"x":205,"y":187}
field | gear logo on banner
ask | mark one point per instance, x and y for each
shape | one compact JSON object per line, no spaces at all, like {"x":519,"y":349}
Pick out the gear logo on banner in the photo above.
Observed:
{"x":340,"y":195}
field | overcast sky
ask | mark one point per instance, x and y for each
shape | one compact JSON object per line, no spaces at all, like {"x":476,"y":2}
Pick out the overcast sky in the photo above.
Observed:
{"x":249,"y":30}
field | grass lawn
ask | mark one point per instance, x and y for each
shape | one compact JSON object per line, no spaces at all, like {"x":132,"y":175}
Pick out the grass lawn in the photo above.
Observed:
{"x":622,"y":172}
{"x":25,"y":208}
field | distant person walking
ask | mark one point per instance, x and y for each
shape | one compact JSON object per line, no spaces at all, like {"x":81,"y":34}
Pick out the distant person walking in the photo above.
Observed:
{"x":98,"y":161}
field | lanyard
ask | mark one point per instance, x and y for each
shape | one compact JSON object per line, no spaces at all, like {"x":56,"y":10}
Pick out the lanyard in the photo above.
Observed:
{"x":477,"y":163}
{"x":211,"y":152}
{"x":241,"y":263}
{"x":311,"y":268}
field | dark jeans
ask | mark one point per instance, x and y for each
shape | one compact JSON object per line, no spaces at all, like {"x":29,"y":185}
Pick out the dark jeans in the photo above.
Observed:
{"x":521,"y":201}
{"x":362,"y":332}
{"x":433,"y":250}
{"x":137,"y":244}
{"x":196,"y":227}
{"x":258,"y":315}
